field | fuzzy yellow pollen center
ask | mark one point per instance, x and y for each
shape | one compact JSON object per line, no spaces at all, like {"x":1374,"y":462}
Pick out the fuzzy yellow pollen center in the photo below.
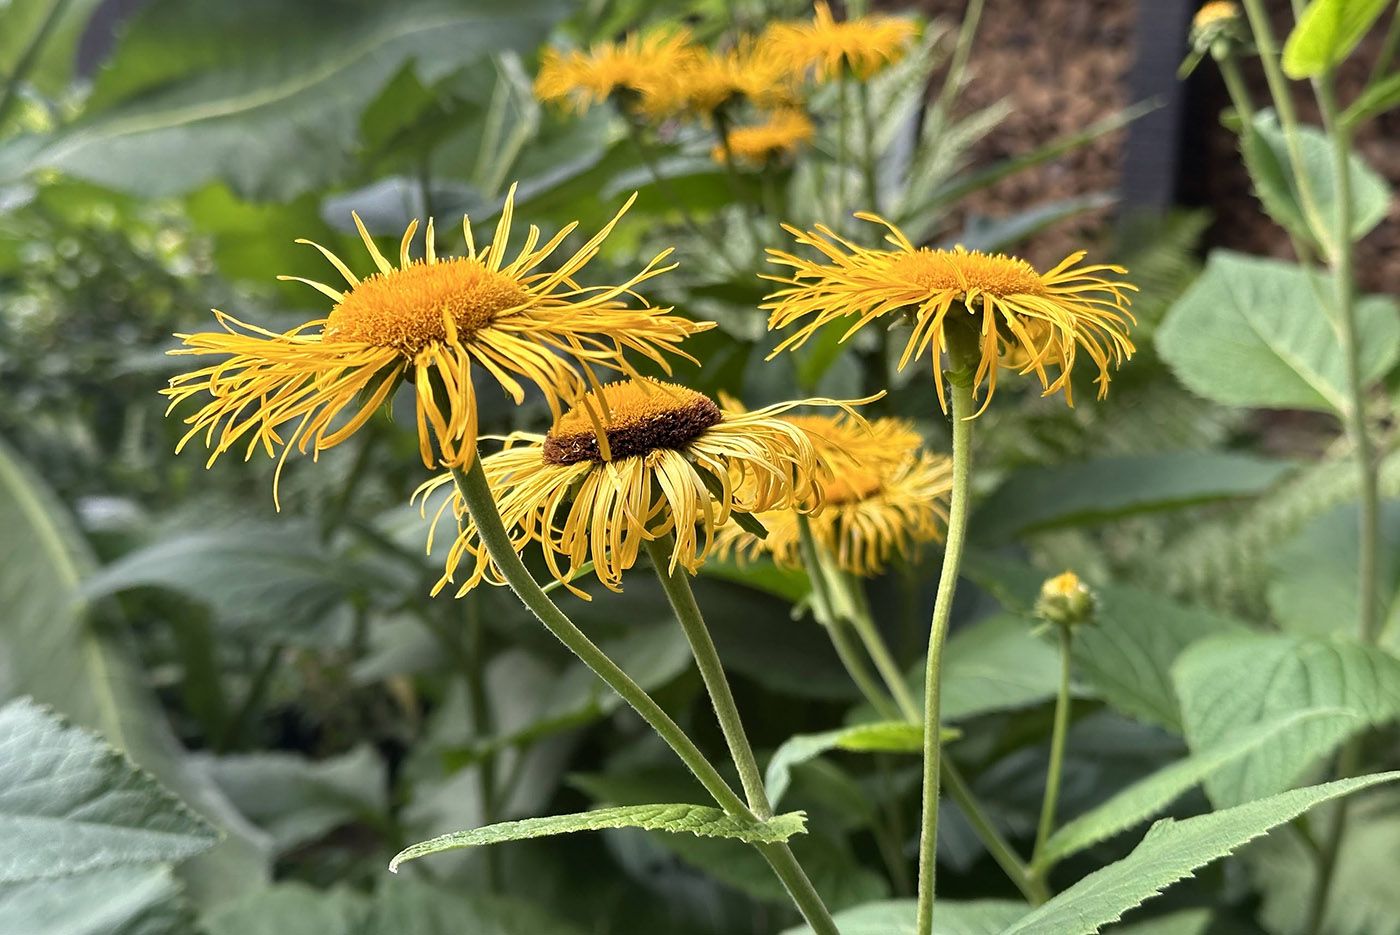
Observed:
{"x":636,"y":416}
{"x":410,"y":308}
{"x":960,"y":270}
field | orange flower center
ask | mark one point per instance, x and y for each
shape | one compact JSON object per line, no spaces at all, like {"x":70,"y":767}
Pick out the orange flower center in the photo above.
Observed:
{"x":962,"y":270}
{"x":637,"y":417}
{"x":410,"y":308}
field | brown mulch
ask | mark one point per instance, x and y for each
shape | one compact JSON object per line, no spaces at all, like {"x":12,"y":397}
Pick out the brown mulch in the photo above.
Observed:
{"x":1063,"y":64}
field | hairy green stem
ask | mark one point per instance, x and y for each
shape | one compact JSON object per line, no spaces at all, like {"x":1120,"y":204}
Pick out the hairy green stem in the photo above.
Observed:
{"x":842,"y":131}
{"x":962,"y":409}
{"x":868,"y":152}
{"x":1027,"y":881}
{"x":967,"y":32}
{"x":864,"y":625}
{"x":1057,"y":751}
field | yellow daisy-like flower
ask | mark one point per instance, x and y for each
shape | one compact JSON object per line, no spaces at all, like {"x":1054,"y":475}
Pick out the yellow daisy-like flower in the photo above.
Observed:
{"x":434,"y":321}
{"x":1215,"y":12}
{"x":885,"y":497}
{"x":709,"y":81}
{"x":783,"y":133}
{"x":639,"y":67}
{"x":1002,"y":298}
{"x":827,"y":47}
{"x":631,"y":462}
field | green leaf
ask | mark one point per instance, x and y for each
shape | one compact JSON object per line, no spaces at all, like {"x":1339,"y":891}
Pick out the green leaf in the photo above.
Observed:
{"x":70,"y":804}
{"x":1039,"y":498}
{"x":408,"y":907}
{"x":133,"y":900}
{"x":996,"y":664}
{"x":896,"y":917}
{"x":699,"y":820}
{"x":1185,"y":922}
{"x":1230,"y":682}
{"x":1363,"y":899}
{"x":292,"y":909}
{"x":878,"y":737}
{"x":1172,"y":851}
{"x":243,"y":92}
{"x":1251,"y":332}
{"x":1266,"y":156}
{"x":1313,"y":585}
{"x":56,"y":655}
{"x":1374,"y":101}
{"x":297,"y":800}
{"x":1151,"y":795}
{"x":53,"y":68}
{"x":1326,"y":33}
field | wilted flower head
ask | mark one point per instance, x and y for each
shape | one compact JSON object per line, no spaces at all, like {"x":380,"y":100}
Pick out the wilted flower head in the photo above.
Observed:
{"x":998,"y":301}
{"x":635,"y":71}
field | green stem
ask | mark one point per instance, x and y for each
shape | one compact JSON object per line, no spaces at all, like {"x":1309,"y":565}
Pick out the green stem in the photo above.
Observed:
{"x":682,"y":599}
{"x":1288,"y":118}
{"x":481,"y":504}
{"x":967,"y":32}
{"x":842,"y":131}
{"x":1057,"y":753}
{"x":667,"y":192}
{"x":879,"y":650}
{"x":1389,"y":48}
{"x":29,"y":57}
{"x":1239,"y":91}
{"x":962,"y":410}
{"x":868,"y":160}
{"x":1031,"y":886}
{"x":237,"y":726}
{"x":483,"y":725}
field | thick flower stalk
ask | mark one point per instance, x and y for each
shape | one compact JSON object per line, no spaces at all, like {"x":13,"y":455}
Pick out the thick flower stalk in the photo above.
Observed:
{"x":435,"y":322}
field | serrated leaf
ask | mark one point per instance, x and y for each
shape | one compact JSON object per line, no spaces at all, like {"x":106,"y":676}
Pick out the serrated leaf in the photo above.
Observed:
{"x":1266,"y":156}
{"x":1172,"y":851}
{"x":70,"y":804}
{"x":876,"y":737}
{"x":1326,"y":33}
{"x":1312,"y":589}
{"x":1251,"y":332}
{"x":52,"y":652}
{"x":699,"y":820}
{"x":134,"y":900}
{"x":1040,"y":498}
{"x":244,"y":92}
{"x":1233,"y":681}
{"x":897,"y":917}
{"x":1149,"y":796}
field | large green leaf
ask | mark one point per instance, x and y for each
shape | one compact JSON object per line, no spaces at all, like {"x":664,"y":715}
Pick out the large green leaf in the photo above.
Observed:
{"x":132,"y":900}
{"x":1363,"y":898}
{"x":1313,"y":588}
{"x":409,"y":907}
{"x":996,"y":664}
{"x":52,"y":66}
{"x":1172,"y":851}
{"x":699,"y":820}
{"x":896,"y":917}
{"x":292,"y":909}
{"x":1326,"y":33}
{"x":1266,"y":156}
{"x":1230,"y":682}
{"x":267,"y":95}
{"x":70,"y":804}
{"x":297,"y":800}
{"x":54,"y":652}
{"x":1038,"y":498}
{"x":1251,"y":332}
{"x":879,"y":737}
{"x":1147,"y":797}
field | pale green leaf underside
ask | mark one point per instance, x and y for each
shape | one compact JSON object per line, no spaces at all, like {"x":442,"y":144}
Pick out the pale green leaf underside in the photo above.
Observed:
{"x":699,"y":820}
{"x":1150,"y":795}
{"x":1172,"y":851}
{"x":71,"y":804}
{"x":130,"y":900}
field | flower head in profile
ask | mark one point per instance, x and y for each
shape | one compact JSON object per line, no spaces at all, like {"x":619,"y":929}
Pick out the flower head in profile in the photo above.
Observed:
{"x":709,"y":81}
{"x":439,"y":322}
{"x":631,"y":462}
{"x":1217,"y":28}
{"x":634,"y":71}
{"x":780,"y":135}
{"x":885,"y":497}
{"x":1002,"y":302}
{"x":826,"y":47}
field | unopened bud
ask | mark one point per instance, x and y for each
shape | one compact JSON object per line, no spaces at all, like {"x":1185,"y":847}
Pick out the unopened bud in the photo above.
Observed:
{"x":1066,"y":601}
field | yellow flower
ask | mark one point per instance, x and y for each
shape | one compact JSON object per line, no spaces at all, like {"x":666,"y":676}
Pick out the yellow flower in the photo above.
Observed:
{"x":885,"y":497}
{"x":709,"y":81}
{"x":782,"y":133}
{"x":434,"y":321}
{"x":1215,"y":12}
{"x":630,"y":462}
{"x":826,"y":47}
{"x":639,"y":67}
{"x":1002,"y":298}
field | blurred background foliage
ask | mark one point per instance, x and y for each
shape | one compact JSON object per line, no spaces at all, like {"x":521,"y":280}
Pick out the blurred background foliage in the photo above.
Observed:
{"x":287,"y":676}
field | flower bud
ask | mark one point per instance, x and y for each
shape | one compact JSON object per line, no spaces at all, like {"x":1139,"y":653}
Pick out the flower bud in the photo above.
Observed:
{"x":1066,"y":601}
